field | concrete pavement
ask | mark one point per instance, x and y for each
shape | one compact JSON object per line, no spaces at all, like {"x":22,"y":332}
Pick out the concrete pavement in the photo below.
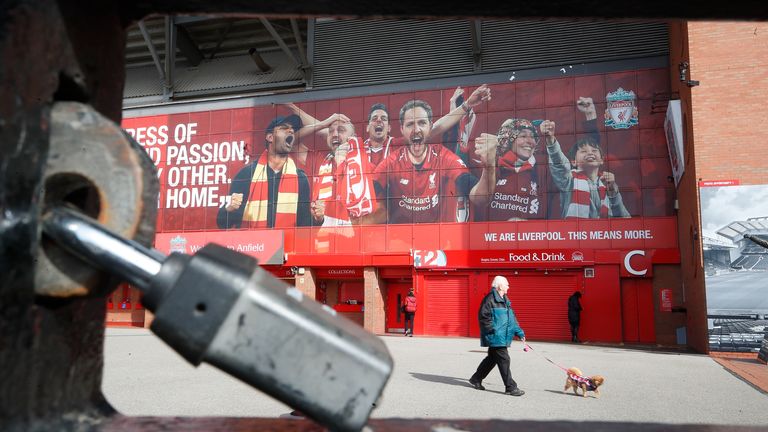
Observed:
{"x":144,"y":377}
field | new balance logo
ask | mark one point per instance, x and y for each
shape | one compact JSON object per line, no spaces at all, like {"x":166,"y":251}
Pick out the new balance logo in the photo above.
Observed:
{"x":501,"y":182}
{"x":404,"y":181}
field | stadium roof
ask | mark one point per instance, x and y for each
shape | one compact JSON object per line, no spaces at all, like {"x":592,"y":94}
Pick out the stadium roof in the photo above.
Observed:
{"x":735,"y":230}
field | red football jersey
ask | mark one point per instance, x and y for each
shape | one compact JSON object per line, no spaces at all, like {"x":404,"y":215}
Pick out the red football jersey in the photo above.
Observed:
{"x":516,"y":196}
{"x":414,"y":194}
{"x":376,"y":156}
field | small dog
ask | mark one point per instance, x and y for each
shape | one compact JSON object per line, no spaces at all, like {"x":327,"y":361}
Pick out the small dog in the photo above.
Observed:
{"x":574,"y":379}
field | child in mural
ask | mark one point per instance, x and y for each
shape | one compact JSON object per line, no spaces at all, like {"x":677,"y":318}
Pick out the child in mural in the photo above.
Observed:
{"x":585,"y":190}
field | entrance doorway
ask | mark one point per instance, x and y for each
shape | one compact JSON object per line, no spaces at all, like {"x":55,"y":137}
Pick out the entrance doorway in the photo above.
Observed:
{"x":637,"y":311}
{"x":395,"y":318}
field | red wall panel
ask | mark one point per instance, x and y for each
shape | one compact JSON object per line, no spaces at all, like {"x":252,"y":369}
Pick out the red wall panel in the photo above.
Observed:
{"x":601,"y":317}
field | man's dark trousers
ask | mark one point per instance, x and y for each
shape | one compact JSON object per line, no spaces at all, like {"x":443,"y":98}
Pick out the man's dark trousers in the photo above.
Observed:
{"x":409,"y":321}
{"x":497,"y":356}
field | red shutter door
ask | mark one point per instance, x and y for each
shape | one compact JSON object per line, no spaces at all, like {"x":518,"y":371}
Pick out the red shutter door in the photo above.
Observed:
{"x":446,"y":306}
{"x":637,"y":310}
{"x":541,"y":304}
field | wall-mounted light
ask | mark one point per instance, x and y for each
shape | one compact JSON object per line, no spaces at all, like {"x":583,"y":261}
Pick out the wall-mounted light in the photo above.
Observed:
{"x":301,"y":270}
{"x":683,"y":68}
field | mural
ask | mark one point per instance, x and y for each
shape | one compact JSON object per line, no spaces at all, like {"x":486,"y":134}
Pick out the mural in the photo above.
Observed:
{"x":560,"y":163}
{"x":735,"y":266}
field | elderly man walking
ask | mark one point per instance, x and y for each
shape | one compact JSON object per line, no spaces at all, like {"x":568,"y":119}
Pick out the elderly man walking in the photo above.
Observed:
{"x":498,"y":326}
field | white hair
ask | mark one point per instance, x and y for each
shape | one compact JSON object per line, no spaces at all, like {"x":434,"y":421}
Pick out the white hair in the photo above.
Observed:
{"x":498,"y":280}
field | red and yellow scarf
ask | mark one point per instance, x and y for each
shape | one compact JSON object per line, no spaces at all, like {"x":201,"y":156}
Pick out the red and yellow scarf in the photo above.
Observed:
{"x":256,"y":210}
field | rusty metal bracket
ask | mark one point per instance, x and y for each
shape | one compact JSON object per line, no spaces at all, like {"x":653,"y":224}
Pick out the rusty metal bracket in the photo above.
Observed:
{"x":95,"y":167}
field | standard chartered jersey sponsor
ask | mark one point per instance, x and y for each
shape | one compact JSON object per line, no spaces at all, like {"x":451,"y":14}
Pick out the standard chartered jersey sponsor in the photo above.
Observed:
{"x":515,"y":202}
{"x":419,"y":203}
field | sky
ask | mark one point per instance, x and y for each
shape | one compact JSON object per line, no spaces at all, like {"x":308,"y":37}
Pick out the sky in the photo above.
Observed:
{"x":723,"y":205}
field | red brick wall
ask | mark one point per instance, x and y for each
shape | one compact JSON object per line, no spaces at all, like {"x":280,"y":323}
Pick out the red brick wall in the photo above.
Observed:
{"x":722,"y":118}
{"x":731,"y":62}
{"x":375,"y":289}
{"x":307,"y":283}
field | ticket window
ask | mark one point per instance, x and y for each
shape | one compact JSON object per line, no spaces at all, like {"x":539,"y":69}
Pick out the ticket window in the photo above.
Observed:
{"x":351,"y":292}
{"x":346,"y":298}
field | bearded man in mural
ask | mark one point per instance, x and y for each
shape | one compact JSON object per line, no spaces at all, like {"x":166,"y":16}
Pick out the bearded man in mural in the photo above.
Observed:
{"x":411,"y":182}
{"x":586,"y":192}
{"x":270,"y":191}
{"x":380,"y":144}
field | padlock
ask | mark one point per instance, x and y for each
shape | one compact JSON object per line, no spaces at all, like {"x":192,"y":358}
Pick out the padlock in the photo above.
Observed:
{"x":220,"y":307}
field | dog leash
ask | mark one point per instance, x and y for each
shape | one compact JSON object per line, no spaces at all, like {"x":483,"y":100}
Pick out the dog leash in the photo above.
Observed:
{"x":527,"y":348}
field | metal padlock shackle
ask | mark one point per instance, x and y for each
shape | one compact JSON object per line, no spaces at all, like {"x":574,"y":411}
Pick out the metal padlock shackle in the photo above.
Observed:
{"x":218,"y":306}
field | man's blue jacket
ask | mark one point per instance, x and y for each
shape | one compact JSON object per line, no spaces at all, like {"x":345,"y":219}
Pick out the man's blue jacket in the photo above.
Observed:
{"x":498,"y":325}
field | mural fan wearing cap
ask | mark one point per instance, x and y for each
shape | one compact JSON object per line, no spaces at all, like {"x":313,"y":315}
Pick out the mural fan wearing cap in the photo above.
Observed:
{"x":270,"y":191}
{"x":510,"y":183}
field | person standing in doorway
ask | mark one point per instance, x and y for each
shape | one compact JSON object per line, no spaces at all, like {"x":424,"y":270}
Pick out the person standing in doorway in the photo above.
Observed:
{"x":498,"y":326}
{"x":574,"y":315}
{"x":409,"y":308}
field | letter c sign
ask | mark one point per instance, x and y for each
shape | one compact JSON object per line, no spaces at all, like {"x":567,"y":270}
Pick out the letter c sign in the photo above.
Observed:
{"x":641,"y":265}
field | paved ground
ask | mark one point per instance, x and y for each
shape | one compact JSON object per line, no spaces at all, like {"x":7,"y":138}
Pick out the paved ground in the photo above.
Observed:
{"x":745,"y":365}
{"x":144,"y":377}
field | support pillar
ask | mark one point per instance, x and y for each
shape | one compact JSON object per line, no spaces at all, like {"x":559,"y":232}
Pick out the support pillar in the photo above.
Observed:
{"x":307,"y":282}
{"x":375,"y":299}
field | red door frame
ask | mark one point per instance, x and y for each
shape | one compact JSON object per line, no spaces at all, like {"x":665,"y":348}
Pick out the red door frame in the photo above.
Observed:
{"x":394,"y":316}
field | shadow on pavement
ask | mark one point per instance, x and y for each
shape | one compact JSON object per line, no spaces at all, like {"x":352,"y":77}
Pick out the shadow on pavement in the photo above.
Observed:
{"x":461,"y":382}
{"x":560,"y":392}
